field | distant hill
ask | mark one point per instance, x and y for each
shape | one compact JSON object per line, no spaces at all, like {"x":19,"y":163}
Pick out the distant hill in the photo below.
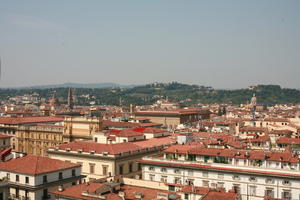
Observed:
{"x":79,"y":85}
{"x":187,"y":95}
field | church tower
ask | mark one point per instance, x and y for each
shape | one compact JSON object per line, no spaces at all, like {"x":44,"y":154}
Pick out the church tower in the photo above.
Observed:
{"x":70,"y":99}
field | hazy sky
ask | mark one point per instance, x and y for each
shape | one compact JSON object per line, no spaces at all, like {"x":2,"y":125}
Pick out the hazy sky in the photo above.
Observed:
{"x":224,"y":44}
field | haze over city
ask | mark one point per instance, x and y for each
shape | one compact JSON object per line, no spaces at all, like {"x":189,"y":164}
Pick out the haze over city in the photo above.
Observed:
{"x":223,"y":44}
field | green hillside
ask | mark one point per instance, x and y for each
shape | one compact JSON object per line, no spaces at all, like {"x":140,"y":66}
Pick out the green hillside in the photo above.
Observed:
{"x":147,"y":94}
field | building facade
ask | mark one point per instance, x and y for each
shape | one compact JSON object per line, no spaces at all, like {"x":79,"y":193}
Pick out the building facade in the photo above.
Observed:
{"x":252,"y":174}
{"x":33,"y":177}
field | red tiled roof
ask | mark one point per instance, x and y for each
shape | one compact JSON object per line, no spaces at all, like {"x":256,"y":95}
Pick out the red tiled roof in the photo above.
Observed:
{"x":259,"y":139}
{"x":281,"y":132}
{"x":276,"y":120}
{"x":127,"y":133}
{"x":2,"y":136}
{"x":233,"y":153}
{"x":33,"y":165}
{"x":29,"y":120}
{"x":99,"y":148}
{"x":155,"y":142}
{"x":220,"y":196}
{"x":253,"y":129}
{"x":107,"y":123}
{"x":76,"y":192}
{"x":4,"y":153}
{"x":129,"y":191}
{"x":195,"y":190}
{"x":150,"y":130}
{"x":285,"y":140}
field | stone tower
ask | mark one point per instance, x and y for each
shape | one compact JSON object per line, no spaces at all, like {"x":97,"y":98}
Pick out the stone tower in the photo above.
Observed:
{"x":70,"y":99}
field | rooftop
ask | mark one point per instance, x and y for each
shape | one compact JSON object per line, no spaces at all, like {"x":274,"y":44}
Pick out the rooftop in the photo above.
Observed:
{"x":34,"y":165}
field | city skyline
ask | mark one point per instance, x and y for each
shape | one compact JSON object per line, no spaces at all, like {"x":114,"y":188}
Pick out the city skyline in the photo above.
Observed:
{"x":211,"y":43}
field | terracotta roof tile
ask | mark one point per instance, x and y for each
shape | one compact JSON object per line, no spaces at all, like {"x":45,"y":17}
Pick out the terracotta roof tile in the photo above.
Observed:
{"x":33,"y":165}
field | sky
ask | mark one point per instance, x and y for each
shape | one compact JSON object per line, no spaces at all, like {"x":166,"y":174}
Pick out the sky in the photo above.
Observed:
{"x":223,"y":44}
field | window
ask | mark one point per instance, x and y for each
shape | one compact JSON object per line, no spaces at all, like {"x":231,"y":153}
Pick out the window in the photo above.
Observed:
{"x":286,"y":182}
{"x":151,"y":169}
{"x":235,"y":177}
{"x":17,"y":192}
{"x":205,"y":183}
{"x":130,"y":167}
{"x":236,"y":188}
{"x":252,"y":190}
{"x":139,"y":166}
{"x":163,"y":178}
{"x":220,"y":184}
{"x":163,"y":170}
{"x":152,"y":177}
{"x":96,"y":139}
{"x":45,"y":194}
{"x":177,"y":171}
{"x":27,"y":179}
{"x":8,"y":176}
{"x":92,"y":168}
{"x":171,"y":188}
{"x":205,"y":174}
{"x":252,"y":179}
{"x":269,"y":181}
{"x":45,"y":179}
{"x":190,"y":173}
{"x":120,"y":169}
{"x":104,"y":169}
{"x":286,"y":194}
{"x":177,"y":180}
{"x":73,"y":172}
{"x":60,"y":175}
{"x":186,"y":196}
{"x":269,"y":192}
{"x":17,"y":178}
{"x":221,"y":176}
{"x":190,"y":181}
